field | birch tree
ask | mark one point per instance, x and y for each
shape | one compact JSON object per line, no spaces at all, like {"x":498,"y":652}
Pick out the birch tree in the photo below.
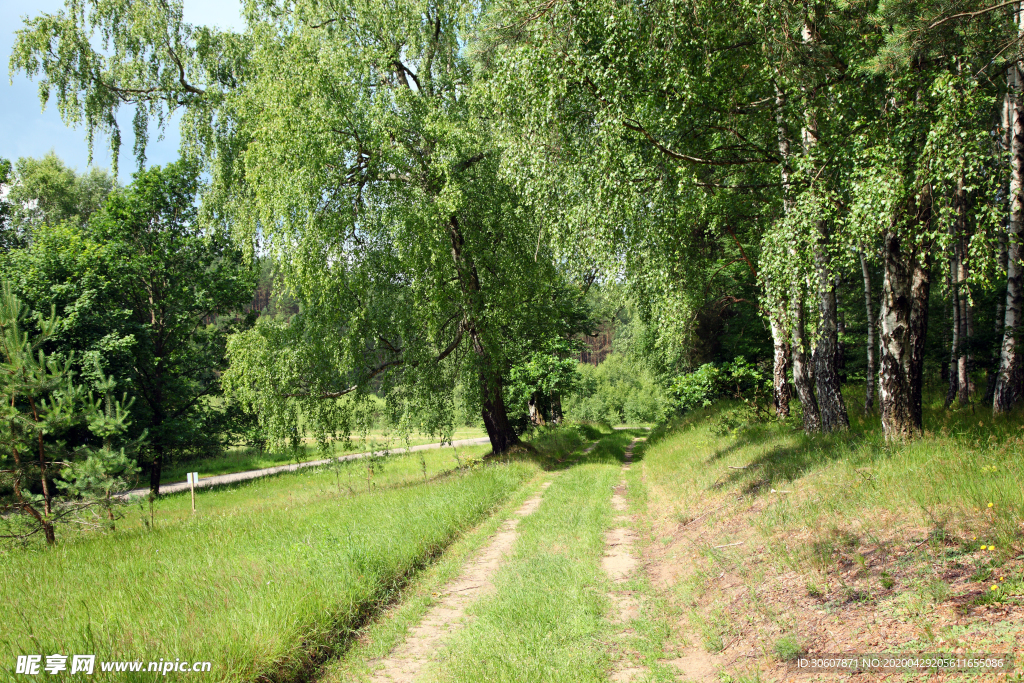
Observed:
{"x":345,"y":140}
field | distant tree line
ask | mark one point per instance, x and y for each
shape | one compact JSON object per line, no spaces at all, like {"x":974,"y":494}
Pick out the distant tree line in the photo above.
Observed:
{"x":124,"y":289}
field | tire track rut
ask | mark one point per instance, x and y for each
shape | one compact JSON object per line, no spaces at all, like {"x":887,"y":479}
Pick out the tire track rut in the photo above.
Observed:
{"x":409,"y":659}
{"x":619,"y":562}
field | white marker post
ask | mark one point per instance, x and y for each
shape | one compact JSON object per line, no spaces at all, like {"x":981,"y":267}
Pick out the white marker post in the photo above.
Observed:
{"x":193,"y":479}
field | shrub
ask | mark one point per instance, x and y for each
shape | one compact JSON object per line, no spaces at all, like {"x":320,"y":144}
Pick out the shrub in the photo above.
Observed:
{"x":697,"y":389}
{"x":739,"y":379}
{"x":618,"y":390}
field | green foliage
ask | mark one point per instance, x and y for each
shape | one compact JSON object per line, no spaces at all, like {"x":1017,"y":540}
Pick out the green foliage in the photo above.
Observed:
{"x":538,"y":383}
{"x":616,"y":391}
{"x":420,"y":271}
{"x":719,"y":169}
{"x":697,"y":389}
{"x":100,"y":474}
{"x":739,"y":379}
{"x":416,"y":266}
{"x":7,"y":236}
{"x":138,"y":286}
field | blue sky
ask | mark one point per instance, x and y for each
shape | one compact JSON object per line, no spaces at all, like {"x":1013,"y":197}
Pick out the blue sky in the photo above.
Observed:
{"x":25,"y":130}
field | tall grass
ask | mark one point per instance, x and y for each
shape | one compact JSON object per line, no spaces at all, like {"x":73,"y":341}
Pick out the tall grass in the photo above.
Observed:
{"x":267,"y":578}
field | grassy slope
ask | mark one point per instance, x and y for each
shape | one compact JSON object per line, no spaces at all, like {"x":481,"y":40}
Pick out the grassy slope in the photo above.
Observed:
{"x":238,"y":459}
{"x":346,"y":478}
{"x":774,"y":543}
{"x":268,"y":575}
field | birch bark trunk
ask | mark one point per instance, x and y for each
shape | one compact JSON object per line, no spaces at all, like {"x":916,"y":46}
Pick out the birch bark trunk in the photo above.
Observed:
{"x":1006,"y":139}
{"x":781,"y":391}
{"x":919,"y":291}
{"x":894,"y":359}
{"x":906,"y":286}
{"x":954,"y":347}
{"x":1008,"y":379}
{"x":780,"y":370}
{"x":802,"y":381}
{"x":869,"y":388}
{"x":831,"y":408}
{"x":965,"y":386}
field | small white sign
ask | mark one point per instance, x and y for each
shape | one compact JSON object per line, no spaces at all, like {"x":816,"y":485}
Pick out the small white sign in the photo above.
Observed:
{"x":193,"y":478}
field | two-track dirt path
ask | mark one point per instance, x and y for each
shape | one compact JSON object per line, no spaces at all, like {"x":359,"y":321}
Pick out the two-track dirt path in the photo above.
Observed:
{"x":619,"y":562}
{"x":408,"y":661}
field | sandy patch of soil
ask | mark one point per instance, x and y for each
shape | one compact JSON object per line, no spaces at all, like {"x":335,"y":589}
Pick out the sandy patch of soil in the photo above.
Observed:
{"x":752,"y":601}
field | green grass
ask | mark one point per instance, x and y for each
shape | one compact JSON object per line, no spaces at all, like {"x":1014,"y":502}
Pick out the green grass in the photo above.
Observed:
{"x":546,"y":620}
{"x":964,"y":462}
{"x":349,"y":478}
{"x":267,"y":578}
{"x":240,"y":459}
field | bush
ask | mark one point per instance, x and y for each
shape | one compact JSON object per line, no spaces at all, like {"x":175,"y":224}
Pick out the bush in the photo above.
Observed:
{"x":697,"y":389}
{"x":739,"y":379}
{"x":616,"y":391}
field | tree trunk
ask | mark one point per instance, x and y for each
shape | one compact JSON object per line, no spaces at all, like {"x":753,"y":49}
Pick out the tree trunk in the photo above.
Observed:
{"x":536,"y":417}
{"x":155,"y":398}
{"x":802,"y":381}
{"x":840,"y":334}
{"x":499,"y":431}
{"x":44,"y":523}
{"x":832,"y":410}
{"x":492,"y":398}
{"x":965,"y":386}
{"x":781,"y":391}
{"x":954,"y":349}
{"x":869,"y":383}
{"x":556,"y":407}
{"x":826,"y":377}
{"x":906,"y":286}
{"x":1006,"y":391}
{"x":110,"y":512}
{"x":919,"y":291}
{"x":1006,"y":140}
{"x":155,"y":469}
{"x":894,"y":361}
{"x":780,"y":370}
{"x":993,"y":364}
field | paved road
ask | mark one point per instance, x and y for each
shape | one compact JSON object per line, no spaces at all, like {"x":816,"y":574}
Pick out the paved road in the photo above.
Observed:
{"x":219,"y":479}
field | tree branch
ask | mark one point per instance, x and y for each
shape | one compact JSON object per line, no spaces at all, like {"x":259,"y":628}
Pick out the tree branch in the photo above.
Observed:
{"x":971,"y":15}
